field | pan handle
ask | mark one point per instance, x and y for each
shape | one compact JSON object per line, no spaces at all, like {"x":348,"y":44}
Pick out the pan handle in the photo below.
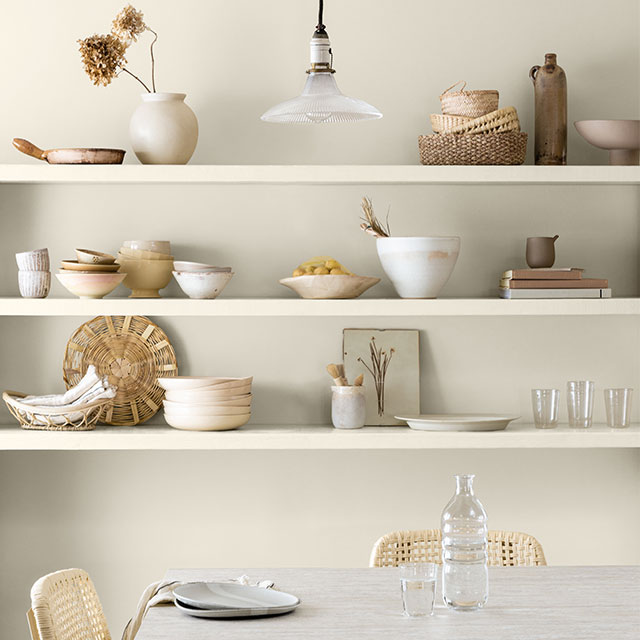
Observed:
{"x":30,"y":149}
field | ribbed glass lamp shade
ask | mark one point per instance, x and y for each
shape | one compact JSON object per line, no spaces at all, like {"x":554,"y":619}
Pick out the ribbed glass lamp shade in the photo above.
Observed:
{"x":321,"y":102}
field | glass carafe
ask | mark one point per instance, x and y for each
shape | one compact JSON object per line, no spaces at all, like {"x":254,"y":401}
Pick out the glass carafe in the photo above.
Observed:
{"x":465,"y":579}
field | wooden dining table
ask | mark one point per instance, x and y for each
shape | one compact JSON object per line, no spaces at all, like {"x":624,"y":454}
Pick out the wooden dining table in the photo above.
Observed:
{"x":525,"y":603}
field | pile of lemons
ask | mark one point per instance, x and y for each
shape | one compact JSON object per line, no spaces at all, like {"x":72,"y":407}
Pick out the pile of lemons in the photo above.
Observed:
{"x":321,"y":266}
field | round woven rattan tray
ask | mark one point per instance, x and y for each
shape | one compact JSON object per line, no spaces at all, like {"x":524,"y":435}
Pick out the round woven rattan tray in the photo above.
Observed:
{"x":133,"y":352}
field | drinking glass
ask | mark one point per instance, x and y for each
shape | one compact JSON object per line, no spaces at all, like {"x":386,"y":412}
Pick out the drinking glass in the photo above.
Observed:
{"x":418,"y":585}
{"x":618,"y":405}
{"x":545,"y":407}
{"x":580,"y":403}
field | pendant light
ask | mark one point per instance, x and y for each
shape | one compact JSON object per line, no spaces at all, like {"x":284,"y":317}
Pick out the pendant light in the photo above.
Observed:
{"x":321,"y":101}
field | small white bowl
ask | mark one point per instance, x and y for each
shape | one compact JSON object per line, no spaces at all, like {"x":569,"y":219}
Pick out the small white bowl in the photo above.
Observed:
{"x":206,"y":423}
{"x":158,"y":246}
{"x":194,"y":267}
{"x":186,"y":383}
{"x":34,"y":284}
{"x":202,"y":285}
{"x":208,"y":396}
{"x":88,"y":256}
{"x":90,"y":285}
{"x":37,"y":260}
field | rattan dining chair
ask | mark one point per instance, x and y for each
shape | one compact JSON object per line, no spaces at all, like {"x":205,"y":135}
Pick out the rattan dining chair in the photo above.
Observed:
{"x":505,"y":549}
{"x":65,"y":606}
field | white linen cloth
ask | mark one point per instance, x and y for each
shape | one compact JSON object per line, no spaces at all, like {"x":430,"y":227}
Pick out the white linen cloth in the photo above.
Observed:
{"x":89,"y":389}
{"x":162,"y":593}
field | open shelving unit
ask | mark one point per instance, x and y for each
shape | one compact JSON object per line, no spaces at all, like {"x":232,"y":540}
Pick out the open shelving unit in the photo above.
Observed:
{"x":314,"y":437}
{"x":318,"y":174}
{"x":295,"y":307}
{"x":309,"y":437}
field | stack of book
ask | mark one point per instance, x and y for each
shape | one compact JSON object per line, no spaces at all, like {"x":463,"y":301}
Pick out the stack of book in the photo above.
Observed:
{"x":551,"y":283}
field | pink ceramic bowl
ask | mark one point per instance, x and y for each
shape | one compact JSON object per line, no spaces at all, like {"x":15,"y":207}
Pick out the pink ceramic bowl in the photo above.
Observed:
{"x":90,"y":285}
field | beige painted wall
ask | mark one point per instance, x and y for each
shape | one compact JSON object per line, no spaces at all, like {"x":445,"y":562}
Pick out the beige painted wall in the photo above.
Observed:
{"x":237,"y":58}
{"x":126,"y":517}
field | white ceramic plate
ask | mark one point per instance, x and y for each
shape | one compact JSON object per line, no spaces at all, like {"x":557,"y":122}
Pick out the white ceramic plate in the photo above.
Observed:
{"x":231,"y":600}
{"x":458,"y":422}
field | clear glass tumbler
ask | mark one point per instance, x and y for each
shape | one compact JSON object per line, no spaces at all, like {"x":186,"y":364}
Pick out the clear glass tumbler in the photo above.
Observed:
{"x":545,"y":407}
{"x":418,"y":586}
{"x":580,"y":403}
{"x":618,"y":405}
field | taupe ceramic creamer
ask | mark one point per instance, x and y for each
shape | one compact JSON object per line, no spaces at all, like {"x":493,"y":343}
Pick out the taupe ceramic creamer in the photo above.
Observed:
{"x":550,"y":88}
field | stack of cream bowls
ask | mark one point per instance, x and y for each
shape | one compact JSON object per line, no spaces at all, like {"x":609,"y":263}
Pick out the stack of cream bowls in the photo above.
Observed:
{"x":205,"y":403}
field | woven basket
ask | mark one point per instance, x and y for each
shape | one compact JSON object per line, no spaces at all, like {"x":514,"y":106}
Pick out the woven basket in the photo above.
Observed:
{"x":80,"y":418}
{"x":133,"y":353}
{"x":472,"y":104}
{"x":495,"y":122}
{"x":490,"y":148}
{"x":441,"y":123}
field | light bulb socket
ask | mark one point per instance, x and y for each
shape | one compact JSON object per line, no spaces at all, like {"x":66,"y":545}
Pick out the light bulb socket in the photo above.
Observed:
{"x":321,"y":55}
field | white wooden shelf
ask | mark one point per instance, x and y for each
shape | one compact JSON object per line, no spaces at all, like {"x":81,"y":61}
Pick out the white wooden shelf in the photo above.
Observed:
{"x":294,"y":307}
{"x":40,"y":173}
{"x":261,"y":437}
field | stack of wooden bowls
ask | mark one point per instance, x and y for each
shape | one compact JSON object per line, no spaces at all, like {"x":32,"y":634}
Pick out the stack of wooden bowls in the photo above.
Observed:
{"x":472,"y":129}
{"x":93,"y":275}
{"x":206,"y":403}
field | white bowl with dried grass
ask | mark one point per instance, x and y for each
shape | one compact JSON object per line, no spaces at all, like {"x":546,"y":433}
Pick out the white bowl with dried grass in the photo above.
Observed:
{"x":418,"y":267}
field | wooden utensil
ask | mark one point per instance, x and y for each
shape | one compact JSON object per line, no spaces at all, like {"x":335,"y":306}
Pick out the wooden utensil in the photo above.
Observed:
{"x":358,"y":381}
{"x":70,"y":156}
{"x":334,"y":371}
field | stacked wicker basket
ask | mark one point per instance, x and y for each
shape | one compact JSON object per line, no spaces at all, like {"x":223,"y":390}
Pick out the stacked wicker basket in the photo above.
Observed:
{"x":472,"y":130}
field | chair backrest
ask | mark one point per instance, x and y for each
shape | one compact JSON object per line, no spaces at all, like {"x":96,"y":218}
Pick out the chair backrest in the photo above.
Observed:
{"x":505,"y":549}
{"x":65,"y":606}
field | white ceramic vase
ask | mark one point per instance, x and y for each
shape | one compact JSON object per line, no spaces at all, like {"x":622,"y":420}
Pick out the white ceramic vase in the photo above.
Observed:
{"x":163,"y":129}
{"x":418,"y":267}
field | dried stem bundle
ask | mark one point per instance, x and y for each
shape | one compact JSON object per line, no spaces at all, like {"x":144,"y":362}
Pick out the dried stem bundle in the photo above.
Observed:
{"x":371,"y":224}
{"x":379,"y":364}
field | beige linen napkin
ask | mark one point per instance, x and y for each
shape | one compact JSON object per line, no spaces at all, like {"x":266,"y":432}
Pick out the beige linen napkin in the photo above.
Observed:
{"x":162,"y":593}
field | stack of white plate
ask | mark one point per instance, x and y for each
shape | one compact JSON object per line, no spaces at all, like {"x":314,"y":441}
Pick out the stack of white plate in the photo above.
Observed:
{"x":206,"y":404}
{"x":231,"y":600}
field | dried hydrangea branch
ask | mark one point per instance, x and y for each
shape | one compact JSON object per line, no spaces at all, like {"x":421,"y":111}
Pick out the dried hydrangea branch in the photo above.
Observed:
{"x":133,"y":75}
{"x":153,"y":60}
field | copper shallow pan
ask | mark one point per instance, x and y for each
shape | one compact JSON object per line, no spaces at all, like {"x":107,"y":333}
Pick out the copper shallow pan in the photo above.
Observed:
{"x":70,"y":156}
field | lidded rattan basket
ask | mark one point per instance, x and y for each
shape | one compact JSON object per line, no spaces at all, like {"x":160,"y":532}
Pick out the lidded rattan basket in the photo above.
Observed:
{"x":471,"y":104}
{"x":133,"y":353}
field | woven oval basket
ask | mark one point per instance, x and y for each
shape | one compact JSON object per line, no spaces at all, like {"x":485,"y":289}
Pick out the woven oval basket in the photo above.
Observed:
{"x":81,"y":418}
{"x":472,"y":104}
{"x":490,"y":148}
{"x":441,"y":123}
{"x":495,"y":122}
{"x":133,"y":352}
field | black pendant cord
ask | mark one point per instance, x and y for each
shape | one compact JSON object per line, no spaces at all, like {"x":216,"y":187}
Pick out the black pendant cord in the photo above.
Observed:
{"x":320,"y":28}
